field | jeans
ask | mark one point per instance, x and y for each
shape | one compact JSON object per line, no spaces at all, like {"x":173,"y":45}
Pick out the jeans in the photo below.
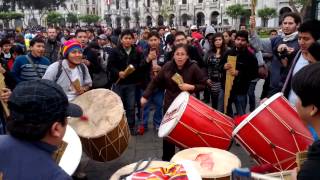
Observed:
{"x":157,"y":100}
{"x":2,"y":126}
{"x":127,"y":94}
{"x":241,"y":104}
{"x":252,"y":96}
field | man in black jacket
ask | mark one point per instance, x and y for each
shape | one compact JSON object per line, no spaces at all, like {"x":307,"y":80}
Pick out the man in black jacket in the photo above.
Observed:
{"x":246,"y":70}
{"x":306,"y":84}
{"x":123,"y":84}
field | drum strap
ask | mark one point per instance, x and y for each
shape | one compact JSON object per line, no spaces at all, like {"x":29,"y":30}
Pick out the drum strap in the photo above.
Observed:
{"x":313,"y":133}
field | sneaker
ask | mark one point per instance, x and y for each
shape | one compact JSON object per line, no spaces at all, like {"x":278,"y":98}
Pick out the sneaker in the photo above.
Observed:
{"x":80,"y":176}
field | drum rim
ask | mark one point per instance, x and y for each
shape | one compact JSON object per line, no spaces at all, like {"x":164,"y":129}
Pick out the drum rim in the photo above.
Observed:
{"x":162,"y":133}
{"x":78,"y":141}
{"x":256,"y":112}
{"x":216,"y":149}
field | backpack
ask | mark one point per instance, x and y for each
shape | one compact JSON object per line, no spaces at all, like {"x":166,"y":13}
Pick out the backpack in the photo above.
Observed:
{"x":82,"y":67}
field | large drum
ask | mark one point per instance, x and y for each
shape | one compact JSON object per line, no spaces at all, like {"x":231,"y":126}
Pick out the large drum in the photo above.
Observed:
{"x":126,"y":171}
{"x":211,"y":163}
{"x":72,"y":154}
{"x":273,"y":134}
{"x":190,"y":123}
{"x":104,"y":131}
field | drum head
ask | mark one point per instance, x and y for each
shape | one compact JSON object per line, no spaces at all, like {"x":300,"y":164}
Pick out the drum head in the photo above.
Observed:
{"x":72,"y":155}
{"x":173,"y":114}
{"x":210,"y":162}
{"x":191,"y":172}
{"x":103,"y":110}
{"x":255,"y":113}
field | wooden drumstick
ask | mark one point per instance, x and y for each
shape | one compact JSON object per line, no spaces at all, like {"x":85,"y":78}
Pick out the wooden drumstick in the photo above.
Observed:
{"x":127,"y":72}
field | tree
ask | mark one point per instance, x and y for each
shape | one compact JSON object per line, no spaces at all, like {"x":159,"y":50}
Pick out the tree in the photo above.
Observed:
{"x":265,"y":14}
{"x":303,"y":5}
{"x":89,"y":19}
{"x":6,"y":17}
{"x":54,"y":18}
{"x":235,"y":11}
{"x":72,"y":18}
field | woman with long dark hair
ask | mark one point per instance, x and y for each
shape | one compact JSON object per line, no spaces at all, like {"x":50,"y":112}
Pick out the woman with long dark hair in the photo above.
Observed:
{"x":215,"y":70}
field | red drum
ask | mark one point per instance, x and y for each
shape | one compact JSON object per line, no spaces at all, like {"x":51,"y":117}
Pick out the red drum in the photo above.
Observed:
{"x":273,"y":134}
{"x":190,"y":123}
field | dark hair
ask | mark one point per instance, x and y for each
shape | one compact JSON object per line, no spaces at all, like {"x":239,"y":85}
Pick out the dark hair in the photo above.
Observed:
{"x":233,"y":31}
{"x":169,"y":39}
{"x":312,"y":27}
{"x":90,"y":30}
{"x":17,"y":49}
{"x":153,"y":34}
{"x":243,"y":34}
{"x":180,"y":33}
{"x":306,"y":84}
{"x":79,"y":31}
{"x":314,"y":50}
{"x":184,"y":46}
{"x":273,"y":30}
{"x":161,"y":27}
{"x":4,"y":41}
{"x":31,"y":131}
{"x":126,"y":32}
{"x":36,"y":40}
{"x":223,"y":47}
{"x":295,"y":16}
{"x":228,"y":32}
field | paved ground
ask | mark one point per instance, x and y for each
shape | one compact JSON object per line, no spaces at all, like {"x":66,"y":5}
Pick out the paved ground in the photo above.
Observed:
{"x":148,"y":145}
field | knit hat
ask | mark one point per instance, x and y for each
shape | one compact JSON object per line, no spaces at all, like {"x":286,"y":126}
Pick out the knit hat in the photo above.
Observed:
{"x":69,"y":46}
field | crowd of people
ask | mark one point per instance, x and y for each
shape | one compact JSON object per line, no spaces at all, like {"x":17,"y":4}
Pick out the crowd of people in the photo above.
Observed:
{"x":80,"y":59}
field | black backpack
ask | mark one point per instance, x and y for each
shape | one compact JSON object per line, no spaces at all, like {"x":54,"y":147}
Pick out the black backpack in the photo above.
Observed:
{"x":82,"y":67}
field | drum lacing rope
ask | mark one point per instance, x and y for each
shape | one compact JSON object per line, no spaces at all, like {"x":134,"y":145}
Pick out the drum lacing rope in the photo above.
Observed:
{"x":262,"y":160}
{"x":198,"y":133}
{"x":136,"y":168}
{"x":214,"y":120}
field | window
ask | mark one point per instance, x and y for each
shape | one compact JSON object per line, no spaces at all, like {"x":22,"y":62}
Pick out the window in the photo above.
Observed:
{"x":137,"y":1}
{"x":148,"y":3}
{"x":76,"y":7}
{"x":93,"y":1}
{"x":88,"y":10}
{"x":71,"y":7}
{"x":200,"y":1}
{"x":87,"y":1}
{"x":184,"y":1}
{"x":160,"y":2}
{"x":93,"y":10}
{"x":117,"y":4}
{"x":127,"y":4}
{"x":171,"y":2}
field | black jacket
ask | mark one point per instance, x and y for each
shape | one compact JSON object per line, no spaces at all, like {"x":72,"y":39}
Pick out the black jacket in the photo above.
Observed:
{"x":119,"y":61}
{"x":310,"y":170}
{"x":247,"y":65}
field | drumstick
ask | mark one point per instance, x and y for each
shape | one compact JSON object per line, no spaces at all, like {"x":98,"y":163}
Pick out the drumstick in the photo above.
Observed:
{"x":127,"y":72}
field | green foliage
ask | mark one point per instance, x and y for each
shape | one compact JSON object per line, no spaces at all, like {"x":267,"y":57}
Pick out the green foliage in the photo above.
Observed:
{"x":266,"y":14}
{"x":89,"y":19}
{"x":8,"y":16}
{"x":72,"y":18}
{"x":235,"y":11}
{"x":54,"y":18}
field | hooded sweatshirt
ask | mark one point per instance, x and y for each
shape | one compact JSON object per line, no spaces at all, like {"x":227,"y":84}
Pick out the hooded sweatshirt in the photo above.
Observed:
{"x":206,"y":44}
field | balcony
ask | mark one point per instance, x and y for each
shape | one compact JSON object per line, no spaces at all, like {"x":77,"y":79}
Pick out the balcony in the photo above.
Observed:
{"x":115,"y":11}
{"x":213,"y":5}
{"x":183,"y":7}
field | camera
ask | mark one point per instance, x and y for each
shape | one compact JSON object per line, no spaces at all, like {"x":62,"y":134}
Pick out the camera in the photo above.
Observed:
{"x":284,"y":54}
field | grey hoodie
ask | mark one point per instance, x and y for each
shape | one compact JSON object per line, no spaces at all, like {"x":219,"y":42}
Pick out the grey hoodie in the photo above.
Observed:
{"x":206,"y":45}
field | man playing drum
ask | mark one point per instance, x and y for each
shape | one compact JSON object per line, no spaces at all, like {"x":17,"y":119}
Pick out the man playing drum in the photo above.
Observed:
{"x":39,"y":111}
{"x":306,"y":84}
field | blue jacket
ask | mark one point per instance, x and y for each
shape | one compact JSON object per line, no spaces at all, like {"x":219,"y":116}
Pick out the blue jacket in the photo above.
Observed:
{"x":24,"y":71}
{"x":28,"y":160}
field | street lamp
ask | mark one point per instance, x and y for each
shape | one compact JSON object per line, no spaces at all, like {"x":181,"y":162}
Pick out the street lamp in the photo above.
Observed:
{"x":78,"y":15}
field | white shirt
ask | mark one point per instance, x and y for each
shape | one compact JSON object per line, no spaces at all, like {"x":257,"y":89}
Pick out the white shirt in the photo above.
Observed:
{"x":74,"y":74}
{"x":299,"y":65}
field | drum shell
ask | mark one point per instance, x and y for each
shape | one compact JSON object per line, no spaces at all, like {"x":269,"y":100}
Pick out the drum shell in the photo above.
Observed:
{"x":201,"y":118}
{"x":272,"y":122}
{"x":109,"y":146}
